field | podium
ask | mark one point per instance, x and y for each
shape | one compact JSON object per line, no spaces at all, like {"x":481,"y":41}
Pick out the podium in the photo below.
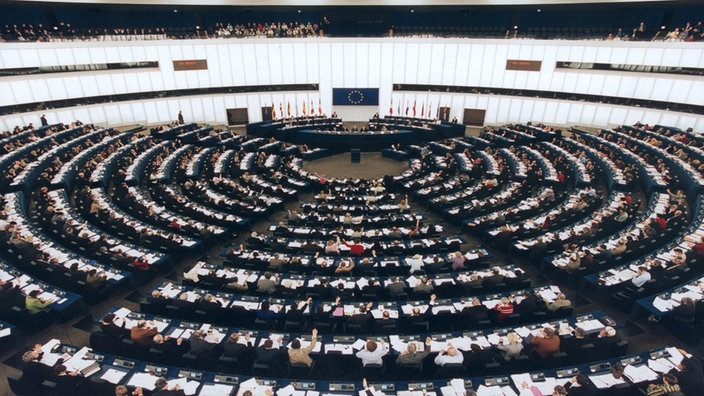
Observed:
{"x":355,"y":156}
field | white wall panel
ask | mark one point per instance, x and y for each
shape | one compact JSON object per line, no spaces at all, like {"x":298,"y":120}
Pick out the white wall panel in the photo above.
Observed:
{"x":691,"y":58}
{"x":619,"y":116}
{"x":361,"y":60}
{"x":469,"y":64}
{"x":40,"y":91}
{"x":337,"y":66}
{"x":138,"y":112}
{"x":357,"y":62}
{"x":545,"y":82}
{"x":236,"y":66}
{"x":56,"y":87}
{"x":411,"y":76}
{"x":527,"y":108}
{"x":48,"y":57}
{"x":603,"y":55}
{"x":563,"y":109}
{"x":602,"y":115}
{"x":30,"y":58}
{"x":644,"y":87}
{"x":349,"y":65}
{"x":280,"y":59}
{"x":696,"y":93}
{"x":538,"y":110}
{"x":65,"y":56}
{"x":497,"y":65}
{"x":587,"y":114}
{"x":250,"y":63}
{"x":298,"y":61}
{"x":574,"y":115}
{"x":374,"y":73}
{"x":126,"y":112}
{"x":118,"y":83}
{"x":437,"y":63}
{"x":449,"y":65}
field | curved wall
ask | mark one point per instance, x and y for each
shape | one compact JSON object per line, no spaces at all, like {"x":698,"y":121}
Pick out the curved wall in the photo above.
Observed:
{"x":355,"y":62}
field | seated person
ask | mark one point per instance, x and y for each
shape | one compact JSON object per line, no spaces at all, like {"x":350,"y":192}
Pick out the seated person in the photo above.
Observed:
{"x":302,"y":355}
{"x":512,"y":348}
{"x":372,"y":353}
{"x":504,"y":308}
{"x":560,"y":302}
{"x":34,"y":304}
{"x":411,"y":355}
{"x":545,"y":343}
{"x":142,"y":334}
{"x":449,"y":356}
{"x":201,"y":346}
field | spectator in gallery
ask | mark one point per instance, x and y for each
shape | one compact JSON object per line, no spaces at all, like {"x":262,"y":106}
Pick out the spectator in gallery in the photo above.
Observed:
{"x":639,"y":32}
{"x":43,"y":120}
{"x":180,"y":117}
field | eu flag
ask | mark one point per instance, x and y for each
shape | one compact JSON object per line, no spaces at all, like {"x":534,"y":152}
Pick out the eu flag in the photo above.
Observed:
{"x":355,"y":96}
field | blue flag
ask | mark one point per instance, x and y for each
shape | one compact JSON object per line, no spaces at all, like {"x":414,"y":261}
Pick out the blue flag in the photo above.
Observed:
{"x":355,"y":96}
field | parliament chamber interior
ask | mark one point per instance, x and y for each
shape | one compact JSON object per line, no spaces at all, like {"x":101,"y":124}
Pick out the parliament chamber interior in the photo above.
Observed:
{"x":351,"y":198}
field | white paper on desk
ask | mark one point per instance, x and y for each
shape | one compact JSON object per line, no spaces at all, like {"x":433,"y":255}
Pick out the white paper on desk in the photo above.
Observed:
{"x":288,"y":390}
{"x":50,"y":345}
{"x":546,"y":387}
{"x":462,"y":343}
{"x":662,"y":365}
{"x":664,"y":305}
{"x":189,"y":387}
{"x":590,"y":325}
{"x":640,"y":373}
{"x":122,"y":312}
{"x":603,"y":381}
{"x":437,"y":346}
{"x":113,"y":376}
{"x":143,"y":380}
{"x":161,"y":326}
{"x":250,"y":383}
{"x":522,"y":331}
{"x":216,"y":390}
{"x":50,"y":359}
{"x":345,"y":349}
{"x":676,"y":357}
{"x":442,"y":308}
{"x":458,"y":385}
{"x":449,"y":391}
{"x":484,"y":390}
{"x":5,"y":332}
{"x":359,"y":344}
{"x":548,"y":295}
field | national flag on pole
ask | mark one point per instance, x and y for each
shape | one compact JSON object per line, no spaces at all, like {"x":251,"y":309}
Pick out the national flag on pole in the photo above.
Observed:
{"x":312,"y":109}
{"x":406,"y":108}
{"x":422,"y":110}
{"x":398,"y":109}
{"x":304,"y":108}
{"x":281,"y":109}
{"x":288,"y":109}
{"x":273,"y":112}
{"x":320,"y":107}
{"x":391,"y":107}
{"x":430,"y":108}
{"x":414,"y":107}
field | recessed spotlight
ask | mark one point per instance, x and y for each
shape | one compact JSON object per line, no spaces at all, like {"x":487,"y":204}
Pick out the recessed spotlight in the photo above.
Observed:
{"x":175,"y":10}
{"x":413,"y":10}
{"x":299,"y":11}
{"x":539,"y":10}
